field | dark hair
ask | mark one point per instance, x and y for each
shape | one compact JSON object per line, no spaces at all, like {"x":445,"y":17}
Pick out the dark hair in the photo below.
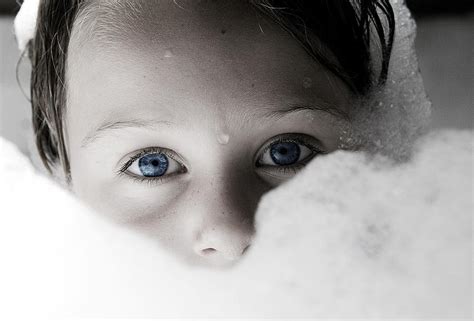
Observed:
{"x":350,"y":30}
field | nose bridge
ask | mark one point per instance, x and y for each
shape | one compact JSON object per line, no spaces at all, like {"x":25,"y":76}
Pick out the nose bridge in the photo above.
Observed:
{"x":226,"y":200}
{"x":233,"y":191}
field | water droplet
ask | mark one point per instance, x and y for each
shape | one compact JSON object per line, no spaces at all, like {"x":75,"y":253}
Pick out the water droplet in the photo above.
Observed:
{"x":223,"y":139}
{"x":168,"y":53}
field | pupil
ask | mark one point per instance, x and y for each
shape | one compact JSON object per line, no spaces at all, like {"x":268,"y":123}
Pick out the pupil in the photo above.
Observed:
{"x":153,"y":165}
{"x":285,"y":153}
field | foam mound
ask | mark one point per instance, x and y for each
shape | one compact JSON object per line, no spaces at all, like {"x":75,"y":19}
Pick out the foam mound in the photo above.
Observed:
{"x":351,"y":235}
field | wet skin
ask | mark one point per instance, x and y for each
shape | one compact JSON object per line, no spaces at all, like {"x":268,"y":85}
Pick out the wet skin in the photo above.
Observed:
{"x":210,"y":85}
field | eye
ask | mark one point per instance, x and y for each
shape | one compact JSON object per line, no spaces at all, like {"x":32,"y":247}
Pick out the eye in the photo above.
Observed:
{"x":286,"y":154}
{"x":153,"y":163}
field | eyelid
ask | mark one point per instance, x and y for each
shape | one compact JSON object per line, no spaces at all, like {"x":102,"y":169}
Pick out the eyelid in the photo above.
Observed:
{"x":309,"y":141}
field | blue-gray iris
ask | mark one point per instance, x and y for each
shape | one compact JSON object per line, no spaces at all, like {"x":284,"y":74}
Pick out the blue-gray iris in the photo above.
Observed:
{"x":285,"y":153}
{"x":153,"y":165}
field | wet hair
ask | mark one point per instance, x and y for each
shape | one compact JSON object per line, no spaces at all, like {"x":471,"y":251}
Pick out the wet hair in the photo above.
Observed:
{"x":341,"y":35}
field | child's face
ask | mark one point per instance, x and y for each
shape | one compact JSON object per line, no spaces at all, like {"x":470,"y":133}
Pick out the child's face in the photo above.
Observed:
{"x":178,"y":128}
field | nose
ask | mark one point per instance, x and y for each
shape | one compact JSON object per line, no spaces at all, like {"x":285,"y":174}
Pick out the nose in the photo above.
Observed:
{"x":225,"y":242}
{"x":224,"y":204}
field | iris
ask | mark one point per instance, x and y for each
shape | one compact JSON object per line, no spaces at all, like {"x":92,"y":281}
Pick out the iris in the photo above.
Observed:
{"x":285,"y":153}
{"x":153,"y":165}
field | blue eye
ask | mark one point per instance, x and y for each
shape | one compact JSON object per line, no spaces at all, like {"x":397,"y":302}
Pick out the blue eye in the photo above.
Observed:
{"x":289,"y":150}
{"x":285,"y":153}
{"x":153,"y":164}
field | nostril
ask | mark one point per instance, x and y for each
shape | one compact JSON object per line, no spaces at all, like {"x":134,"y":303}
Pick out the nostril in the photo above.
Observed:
{"x":245,"y":249}
{"x":208,"y":251}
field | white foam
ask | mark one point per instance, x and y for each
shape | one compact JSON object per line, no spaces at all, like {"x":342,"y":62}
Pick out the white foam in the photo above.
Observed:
{"x":25,"y":22}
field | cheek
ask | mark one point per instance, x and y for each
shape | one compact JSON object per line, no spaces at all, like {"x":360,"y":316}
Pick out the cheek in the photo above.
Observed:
{"x":125,"y":202}
{"x":168,"y":224}
{"x":156,"y":212}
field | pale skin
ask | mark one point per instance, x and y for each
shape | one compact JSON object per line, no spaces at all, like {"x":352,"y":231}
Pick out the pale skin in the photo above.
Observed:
{"x":210,"y":86}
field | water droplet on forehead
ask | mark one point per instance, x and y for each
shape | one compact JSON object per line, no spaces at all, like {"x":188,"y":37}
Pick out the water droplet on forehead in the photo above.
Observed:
{"x":222,"y":138}
{"x":168,"y":53}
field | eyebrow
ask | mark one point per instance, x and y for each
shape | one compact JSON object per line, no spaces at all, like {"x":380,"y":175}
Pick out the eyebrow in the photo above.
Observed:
{"x":320,"y":106}
{"x":110,"y":126}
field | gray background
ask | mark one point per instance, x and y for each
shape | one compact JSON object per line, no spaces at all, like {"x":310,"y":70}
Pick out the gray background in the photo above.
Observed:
{"x":444,"y":44}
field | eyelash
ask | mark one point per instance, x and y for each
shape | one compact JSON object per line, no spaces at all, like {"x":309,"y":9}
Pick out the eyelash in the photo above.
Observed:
{"x":302,"y":139}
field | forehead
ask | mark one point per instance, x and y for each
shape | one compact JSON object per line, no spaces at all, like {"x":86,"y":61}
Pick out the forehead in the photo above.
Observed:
{"x":167,"y":57}
{"x":185,"y":23}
